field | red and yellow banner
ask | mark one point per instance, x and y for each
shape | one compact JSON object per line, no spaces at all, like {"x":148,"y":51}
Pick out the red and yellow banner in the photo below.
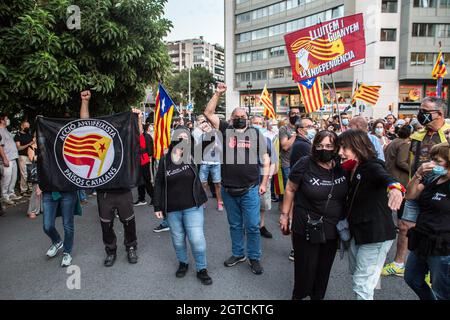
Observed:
{"x":326,"y":47}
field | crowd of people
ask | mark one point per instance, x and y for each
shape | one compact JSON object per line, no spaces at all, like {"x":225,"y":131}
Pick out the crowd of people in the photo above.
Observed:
{"x":351,"y":184}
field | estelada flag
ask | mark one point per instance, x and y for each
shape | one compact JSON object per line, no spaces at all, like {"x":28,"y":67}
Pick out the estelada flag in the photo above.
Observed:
{"x":366,"y":93}
{"x":100,"y":153}
{"x":439,"y":69}
{"x":163,"y":121}
{"x":269,"y":111}
{"x":278,"y":177}
{"x":311,"y":92}
{"x":326,"y":47}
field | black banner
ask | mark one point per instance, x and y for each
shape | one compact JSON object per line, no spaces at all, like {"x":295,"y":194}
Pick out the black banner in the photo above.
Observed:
{"x":100,"y":153}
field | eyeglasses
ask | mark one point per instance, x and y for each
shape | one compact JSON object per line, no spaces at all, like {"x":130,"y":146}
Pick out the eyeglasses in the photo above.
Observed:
{"x":326,"y":147}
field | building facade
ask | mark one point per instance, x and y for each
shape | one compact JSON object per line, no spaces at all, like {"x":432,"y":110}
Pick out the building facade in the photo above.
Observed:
{"x":193,"y":53}
{"x":402,"y":38}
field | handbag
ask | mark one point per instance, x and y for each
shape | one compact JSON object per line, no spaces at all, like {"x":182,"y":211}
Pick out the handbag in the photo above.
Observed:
{"x":237,"y":192}
{"x":32,"y":176}
{"x":315,"y":232}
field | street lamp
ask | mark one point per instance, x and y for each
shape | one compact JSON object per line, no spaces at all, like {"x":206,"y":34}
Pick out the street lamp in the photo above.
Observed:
{"x":249,"y":87}
{"x":189,"y":73}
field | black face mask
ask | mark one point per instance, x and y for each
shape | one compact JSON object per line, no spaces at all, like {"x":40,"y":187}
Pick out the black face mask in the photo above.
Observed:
{"x":239,"y":123}
{"x":424,"y":118}
{"x":324,"y":155}
{"x":26,"y":130}
{"x":293,"y":119}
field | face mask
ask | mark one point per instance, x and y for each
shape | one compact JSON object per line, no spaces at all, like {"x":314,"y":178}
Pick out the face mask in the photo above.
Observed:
{"x":239,"y":123}
{"x":8,"y":122}
{"x":424,"y":118}
{"x":257,"y":126}
{"x":379,"y":131}
{"x":349,"y":165}
{"x":440,"y":171}
{"x":310,"y":134}
{"x":345,"y":122}
{"x":324,"y":155}
{"x":293,"y":120}
{"x":26,"y":130}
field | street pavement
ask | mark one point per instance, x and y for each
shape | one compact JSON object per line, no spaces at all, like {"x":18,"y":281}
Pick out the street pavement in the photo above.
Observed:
{"x":26,"y":273}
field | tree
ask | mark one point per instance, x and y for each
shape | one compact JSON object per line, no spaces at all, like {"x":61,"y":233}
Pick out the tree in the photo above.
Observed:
{"x":202,"y":86}
{"x":116,"y":53}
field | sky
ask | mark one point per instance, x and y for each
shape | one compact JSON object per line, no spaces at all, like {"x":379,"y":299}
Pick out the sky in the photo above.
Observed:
{"x":195,"y":18}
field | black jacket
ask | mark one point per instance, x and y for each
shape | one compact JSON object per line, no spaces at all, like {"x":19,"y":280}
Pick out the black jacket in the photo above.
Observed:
{"x":370,"y":218}
{"x":160,"y":198}
{"x":301,"y":148}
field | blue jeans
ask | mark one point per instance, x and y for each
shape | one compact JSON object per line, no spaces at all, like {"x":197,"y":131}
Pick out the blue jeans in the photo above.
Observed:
{"x":82,"y":195}
{"x":365,"y":263}
{"x":285,"y":173}
{"x":67,"y":204}
{"x":213,"y":169}
{"x":439,"y":267}
{"x":188,"y":223}
{"x":244,"y":212}
{"x":165,"y":223}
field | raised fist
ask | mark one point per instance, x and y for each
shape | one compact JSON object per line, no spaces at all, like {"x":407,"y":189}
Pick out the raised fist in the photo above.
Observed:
{"x":221,"y":88}
{"x":85,"y":95}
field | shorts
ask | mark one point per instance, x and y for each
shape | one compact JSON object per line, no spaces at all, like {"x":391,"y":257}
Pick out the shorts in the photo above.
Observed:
{"x":206,"y":169}
{"x":266,"y":199}
{"x":411,"y":211}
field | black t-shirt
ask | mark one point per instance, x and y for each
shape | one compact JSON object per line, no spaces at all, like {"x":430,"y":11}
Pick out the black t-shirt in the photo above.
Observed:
{"x":24,"y":139}
{"x":241,"y":156}
{"x":180,"y":182}
{"x":434,"y":203}
{"x":315,"y":185}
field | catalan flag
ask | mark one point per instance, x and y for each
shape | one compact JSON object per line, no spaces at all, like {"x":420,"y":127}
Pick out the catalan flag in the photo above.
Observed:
{"x":269,"y":111}
{"x":369,"y":94}
{"x":86,"y":150}
{"x":439,"y":70}
{"x":163,"y":120}
{"x":311,"y":92}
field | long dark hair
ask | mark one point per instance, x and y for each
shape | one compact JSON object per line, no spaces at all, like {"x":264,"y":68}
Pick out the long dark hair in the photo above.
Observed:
{"x":320,"y":137}
{"x":359,"y":143}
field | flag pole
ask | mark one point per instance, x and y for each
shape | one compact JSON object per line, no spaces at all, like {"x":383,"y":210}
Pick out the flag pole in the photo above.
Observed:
{"x":439,"y":80}
{"x":335,"y":98}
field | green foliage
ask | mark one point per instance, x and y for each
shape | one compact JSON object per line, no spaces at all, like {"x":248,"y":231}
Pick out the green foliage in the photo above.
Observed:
{"x":202,"y":88}
{"x":44,"y":65}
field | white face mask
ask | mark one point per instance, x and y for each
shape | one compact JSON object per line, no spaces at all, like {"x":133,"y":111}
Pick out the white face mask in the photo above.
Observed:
{"x":8,"y":122}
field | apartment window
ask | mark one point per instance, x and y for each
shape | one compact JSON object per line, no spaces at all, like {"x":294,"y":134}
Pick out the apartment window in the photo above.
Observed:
{"x":243,"y":57}
{"x":423,"y":30}
{"x":244,"y":37}
{"x":424,"y":3}
{"x":291,"y":4}
{"x":277,"y":73}
{"x":422,"y":59}
{"x":444,"y":30}
{"x":277,"y":8}
{"x":388,"y":35}
{"x":259,"y":55}
{"x":241,"y":18}
{"x":389,"y":6}
{"x":276,"y":30}
{"x":259,"y":34}
{"x":338,"y":12}
{"x":387,"y":63}
{"x":260,"y":13}
{"x":276,"y":52}
{"x":444,"y":4}
{"x":243,"y":77}
{"x":259,"y":75}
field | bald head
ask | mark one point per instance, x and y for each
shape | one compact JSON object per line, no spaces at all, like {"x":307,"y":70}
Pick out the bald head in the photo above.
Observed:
{"x":359,"y":123}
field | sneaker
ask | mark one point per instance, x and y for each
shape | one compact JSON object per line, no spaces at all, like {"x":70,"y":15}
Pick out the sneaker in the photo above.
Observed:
{"x":255,"y":266}
{"x":391,"y":269}
{"x":220,"y":207}
{"x":132,"y":255}
{"x":204,"y":277}
{"x":32,"y":215}
{"x":139,"y":203}
{"x":15,"y":197}
{"x":161,"y":228}
{"x":110,"y":259}
{"x":265,"y":233}
{"x":83,"y":202}
{"x":428,"y":279}
{"x":291,"y":255}
{"x":275,"y":199}
{"x":182,"y":269}
{"x":232,"y":261}
{"x":54,"y":248}
{"x":8,"y":202}
{"x":66,"y":260}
